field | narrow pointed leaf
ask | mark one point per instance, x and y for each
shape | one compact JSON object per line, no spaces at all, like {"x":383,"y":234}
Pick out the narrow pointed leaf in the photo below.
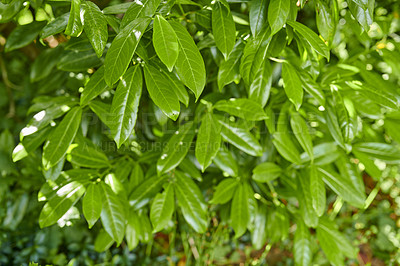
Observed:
{"x":229,"y":69}
{"x":162,"y":209}
{"x":208,"y":140}
{"x":125,"y":104}
{"x":191,"y":202}
{"x":60,"y":139}
{"x":74,"y":26}
{"x":292,"y":85}
{"x":122,"y":49}
{"x":240,"y":213}
{"x":278,"y":12}
{"x":266,"y":172}
{"x":86,"y":156}
{"x":312,"y":38}
{"x":224,"y":191}
{"x":165,"y":42}
{"x":95,"y":86}
{"x":112,"y":214}
{"x":162,"y":91}
{"x":223,"y":28}
{"x":302,"y":245}
{"x":189,"y":65}
{"x":302,"y":134}
{"x":257,"y":15}
{"x":95,"y":26}
{"x":142,"y":194}
{"x":243,"y":108}
{"x":139,"y":9}
{"x":66,"y":197}
{"x":317,"y":189}
{"x":92,"y":204}
{"x":176,"y":149}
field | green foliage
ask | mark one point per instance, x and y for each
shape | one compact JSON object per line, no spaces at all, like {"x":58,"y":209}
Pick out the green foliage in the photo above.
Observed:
{"x":199,"y":132}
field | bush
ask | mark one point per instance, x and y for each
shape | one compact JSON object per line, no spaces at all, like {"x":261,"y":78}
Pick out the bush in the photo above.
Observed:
{"x":200,"y":132}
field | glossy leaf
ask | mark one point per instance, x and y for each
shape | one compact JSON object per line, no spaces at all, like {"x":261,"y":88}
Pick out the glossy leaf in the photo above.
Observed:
{"x":176,"y":149}
{"x":189,"y":65}
{"x":162,"y":208}
{"x":229,"y":69}
{"x":257,"y":15}
{"x":191,"y":202}
{"x":302,"y":134}
{"x":60,"y":139}
{"x":23,"y":35}
{"x":208,"y":140}
{"x":125,"y":104}
{"x":225,"y":161}
{"x":317,"y":189}
{"x":95,"y":86}
{"x":223,"y":28}
{"x":112,"y":214}
{"x":292,"y":85}
{"x":243,"y":108}
{"x":224,"y":191}
{"x":278,"y":12}
{"x":302,"y":245}
{"x":92,"y":204}
{"x":312,"y":38}
{"x":142,"y":194}
{"x":240,"y":214}
{"x":162,"y":91}
{"x":122,"y":49}
{"x":141,"y":9}
{"x":74,"y":26}
{"x":240,"y":137}
{"x":165,"y":42}
{"x":95,"y":26}
{"x":86,"y":156}
{"x":66,"y":197}
{"x":266,"y":172}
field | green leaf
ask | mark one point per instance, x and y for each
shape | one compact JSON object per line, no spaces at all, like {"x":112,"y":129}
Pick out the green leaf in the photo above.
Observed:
{"x":257,"y":15}
{"x":95,"y":27}
{"x":133,"y":230}
{"x":136,"y":177}
{"x":312,"y":38}
{"x":191,"y":202}
{"x":225,"y":161}
{"x":162,"y":209}
{"x":176,"y":149}
{"x":79,"y":61}
{"x":240,"y":137}
{"x":223,"y":28}
{"x":9,"y":10}
{"x":224,"y":191}
{"x":162,"y":91}
{"x":327,"y":19}
{"x":60,"y":139}
{"x":74,"y":26}
{"x":243,"y":108}
{"x":23,"y":35}
{"x":333,"y":126}
{"x":377,"y":150}
{"x":278,"y":11}
{"x":240,"y":213}
{"x":112,"y":214}
{"x":259,"y":234}
{"x":165,"y":42}
{"x":266,"y":172}
{"x":117,"y":9}
{"x":102,"y":110}
{"x":145,"y":8}
{"x":66,"y":197}
{"x":333,"y":243}
{"x":44,"y":63}
{"x":103,"y":241}
{"x":292,"y":84}
{"x":95,"y":86}
{"x":304,"y":197}
{"x":286,"y":147}
{"x":125,"y":104}
{"x":122,"y":49}
{"x":146,"y":191}
{"x":260,"y":87}
{"x":302,"y":134}
{"x":343,"y":187}
{"x":86,"y":156}
{"x":302,"y":245}
{"x":189,"y":65}
{"x":363,"y":12}
{"x":229,"y":69}
{"x":208,"y":140}
{"x":92,"y":204}
{"x":55,"y":26}
{"x":317,"y":189}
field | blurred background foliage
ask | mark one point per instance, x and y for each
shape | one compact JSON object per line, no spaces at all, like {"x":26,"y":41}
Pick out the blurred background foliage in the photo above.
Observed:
{"x":376,"y":231}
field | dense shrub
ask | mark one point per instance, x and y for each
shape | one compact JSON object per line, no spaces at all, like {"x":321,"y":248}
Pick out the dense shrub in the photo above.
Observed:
{"x":200,"y":132}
